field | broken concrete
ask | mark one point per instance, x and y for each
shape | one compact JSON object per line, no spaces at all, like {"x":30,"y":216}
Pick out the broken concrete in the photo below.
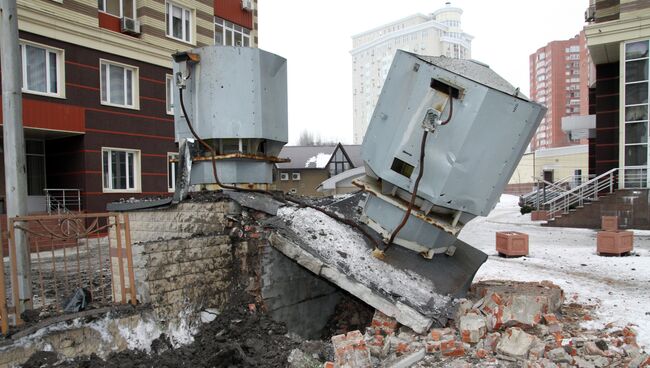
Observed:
{"x":515,"y":343}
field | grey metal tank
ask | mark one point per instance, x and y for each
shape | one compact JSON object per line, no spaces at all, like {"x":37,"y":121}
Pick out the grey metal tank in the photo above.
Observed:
{"x":236,"y":99}
{"x":468,"y":161}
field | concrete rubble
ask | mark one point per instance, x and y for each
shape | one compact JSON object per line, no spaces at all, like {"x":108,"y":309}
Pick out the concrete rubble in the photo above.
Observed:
{"x":504,"y":324}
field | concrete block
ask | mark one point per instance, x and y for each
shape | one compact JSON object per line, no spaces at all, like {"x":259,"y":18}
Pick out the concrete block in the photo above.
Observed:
{"x":515,"y":343}
{"x":552,"y":323}
{"x":559,"y":355}
{"x":614,"y":242}
{"x":472,"y":328}
{"x":406,"y":360}
{"x":609,"y":223}
{"x":512,"y":243}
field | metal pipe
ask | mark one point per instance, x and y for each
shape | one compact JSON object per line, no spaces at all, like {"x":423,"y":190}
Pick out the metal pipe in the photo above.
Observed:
{"x":14,"y":141}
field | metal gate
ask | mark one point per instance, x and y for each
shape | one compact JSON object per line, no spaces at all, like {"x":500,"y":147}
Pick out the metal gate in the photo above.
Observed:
{"x":68,"y":252}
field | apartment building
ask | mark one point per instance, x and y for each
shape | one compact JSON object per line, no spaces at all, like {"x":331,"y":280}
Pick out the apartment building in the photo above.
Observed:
{"x":435,"y":34}
{"x":618,"y":37}
{"x":97,"y":91}
{"x":560,"y":76}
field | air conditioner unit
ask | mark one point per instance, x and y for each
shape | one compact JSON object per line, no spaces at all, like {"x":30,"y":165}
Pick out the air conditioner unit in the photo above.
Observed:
{"x":247,"y":5}
{"x":590,"y":14}
{"x":130,"y":26}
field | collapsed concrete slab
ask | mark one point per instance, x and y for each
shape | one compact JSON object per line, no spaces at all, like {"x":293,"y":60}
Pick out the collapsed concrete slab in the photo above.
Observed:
{"x":417,"y":292}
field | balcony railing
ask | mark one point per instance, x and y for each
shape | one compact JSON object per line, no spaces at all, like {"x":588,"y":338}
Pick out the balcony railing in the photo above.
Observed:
{"x":60,"y":201}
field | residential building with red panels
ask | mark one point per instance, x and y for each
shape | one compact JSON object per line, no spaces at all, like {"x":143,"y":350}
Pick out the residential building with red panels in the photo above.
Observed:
{"x":97,"y":110}
{"x":559,"y":79}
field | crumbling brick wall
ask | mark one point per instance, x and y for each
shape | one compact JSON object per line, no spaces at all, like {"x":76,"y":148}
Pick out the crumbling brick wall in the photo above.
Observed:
{"x":183,"y":257}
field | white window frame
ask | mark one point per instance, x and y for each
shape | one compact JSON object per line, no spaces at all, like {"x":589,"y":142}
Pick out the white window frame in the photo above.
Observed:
{"x":234,"y":30}
{"x":60,"y":69}
{"x":295,"y":176}
{"x":171,"y":156}
{"x":121,"y":15}
{"x":169,"y":94}
{"x":284,"y":176}
{"x":136,"y":171}
{"x":135,"y":85}
{"x":187,"y":36}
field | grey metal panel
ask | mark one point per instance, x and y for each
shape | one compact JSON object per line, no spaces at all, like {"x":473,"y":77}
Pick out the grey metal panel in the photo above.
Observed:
{"x":232,"y":172}
{"x":235,"y":92}
{"x":415,"y":229}
{"x":469,"y":161}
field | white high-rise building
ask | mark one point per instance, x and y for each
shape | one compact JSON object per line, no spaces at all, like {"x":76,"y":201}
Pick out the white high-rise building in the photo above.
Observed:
{"x":436,"y":34}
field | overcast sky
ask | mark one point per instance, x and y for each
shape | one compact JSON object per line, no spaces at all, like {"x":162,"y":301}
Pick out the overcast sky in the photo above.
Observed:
{"x":315,"y":37}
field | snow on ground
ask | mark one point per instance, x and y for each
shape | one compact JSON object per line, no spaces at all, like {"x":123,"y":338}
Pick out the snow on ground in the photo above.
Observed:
{"x":618,"y":286}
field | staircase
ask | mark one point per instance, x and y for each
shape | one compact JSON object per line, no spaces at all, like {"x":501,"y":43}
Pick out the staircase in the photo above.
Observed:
{"x":630,"y":205}
{"x":547,"y":191}
{"x":584,"y":205}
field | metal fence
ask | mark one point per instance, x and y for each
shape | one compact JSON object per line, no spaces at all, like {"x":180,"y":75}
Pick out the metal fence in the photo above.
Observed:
{"x":68,"y":253}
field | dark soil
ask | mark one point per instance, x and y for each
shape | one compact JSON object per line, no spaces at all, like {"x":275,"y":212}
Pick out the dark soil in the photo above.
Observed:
{"x":236,"y":338}
{"x":350,"y":314}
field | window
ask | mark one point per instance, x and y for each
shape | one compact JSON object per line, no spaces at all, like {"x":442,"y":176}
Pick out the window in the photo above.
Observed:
{"x":230,"y":34}
{"x":118,"y":84}
{"x":42,"y":69}
{"x":179,"y":22}
{"x":118,"y":8}
{"x":172,"y":169}
{"x":284,"y":176}
{"x":120,"y":169}
{"x":637,"y":84}
{"x":295,"y":176}
{"x":169,"y":101}
{"x":339,"y":163}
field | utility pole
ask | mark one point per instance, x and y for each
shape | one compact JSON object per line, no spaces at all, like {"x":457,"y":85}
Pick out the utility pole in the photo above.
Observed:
{"x":14,"y":144}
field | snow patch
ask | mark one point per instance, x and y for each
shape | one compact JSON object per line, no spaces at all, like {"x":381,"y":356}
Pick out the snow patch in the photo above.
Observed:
{"x":319,"y":161}
{"x":617,"y":286}
{"x":141,"y":337}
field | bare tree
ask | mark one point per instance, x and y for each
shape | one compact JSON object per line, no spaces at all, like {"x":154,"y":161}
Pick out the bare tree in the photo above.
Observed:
{"x":310,"y":139}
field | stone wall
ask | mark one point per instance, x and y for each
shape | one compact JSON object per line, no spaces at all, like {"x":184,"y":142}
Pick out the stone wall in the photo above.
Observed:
{"x":181,"y":256}
{"x":187,"y":257}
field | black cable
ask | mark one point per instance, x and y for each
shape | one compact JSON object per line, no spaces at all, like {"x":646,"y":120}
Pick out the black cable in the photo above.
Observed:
{"x":235,"y":188}
{"x":409,"y":209}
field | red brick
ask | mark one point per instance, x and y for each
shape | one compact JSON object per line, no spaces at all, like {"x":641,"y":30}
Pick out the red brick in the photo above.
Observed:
{"x":328,"y":365}
{"x":609,"y":223}
{"x":433,"y":346}
{"x":481,"y":353}
{"x":456,"y":350}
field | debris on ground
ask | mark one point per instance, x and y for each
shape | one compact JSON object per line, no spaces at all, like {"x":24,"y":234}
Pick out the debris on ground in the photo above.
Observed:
{"x":505,"y":324}
{"x":237,"y":337}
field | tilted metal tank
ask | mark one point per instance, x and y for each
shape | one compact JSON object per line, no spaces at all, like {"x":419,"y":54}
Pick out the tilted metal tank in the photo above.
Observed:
{"x":236,"y":101}
{"x":478,"y":128}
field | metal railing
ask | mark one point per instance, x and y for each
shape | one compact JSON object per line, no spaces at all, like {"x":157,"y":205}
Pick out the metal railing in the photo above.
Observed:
{"x":68,"y":253}
{"x":545,"y":190}
{"x":62,"y":200}
{"x":632,"y":177}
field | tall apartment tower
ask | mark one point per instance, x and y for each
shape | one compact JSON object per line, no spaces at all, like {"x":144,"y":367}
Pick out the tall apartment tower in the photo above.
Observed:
{"x":436,"y":34}
{"x":97,"y":82}
{"x":559,"y":78}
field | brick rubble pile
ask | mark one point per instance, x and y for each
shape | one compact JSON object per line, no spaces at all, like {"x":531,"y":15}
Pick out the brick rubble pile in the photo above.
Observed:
{"x":505,"y":324}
